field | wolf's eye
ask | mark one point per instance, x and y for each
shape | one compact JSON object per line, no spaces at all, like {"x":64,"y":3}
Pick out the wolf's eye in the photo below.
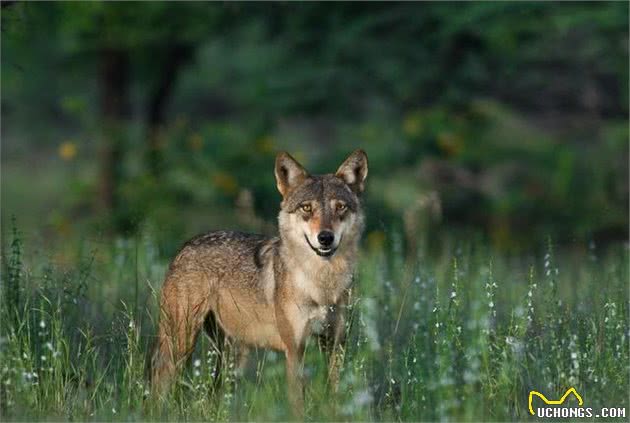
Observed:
{"x":306,"y":208}
{"x":341,"y":207}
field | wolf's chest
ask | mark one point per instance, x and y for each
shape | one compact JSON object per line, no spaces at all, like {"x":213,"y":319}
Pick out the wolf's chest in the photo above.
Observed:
{"x":323,"y":289}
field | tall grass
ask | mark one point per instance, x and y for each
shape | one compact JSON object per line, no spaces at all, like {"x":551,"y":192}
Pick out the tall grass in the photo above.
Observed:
{"x":460,"y":334}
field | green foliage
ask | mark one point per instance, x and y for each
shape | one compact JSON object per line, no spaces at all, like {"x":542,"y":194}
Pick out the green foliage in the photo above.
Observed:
{"x":13,"y":271}
{"x":513,"y":114}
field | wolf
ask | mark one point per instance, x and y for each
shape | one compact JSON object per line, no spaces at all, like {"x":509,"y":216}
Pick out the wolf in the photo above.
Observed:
{"x":264,"y":292}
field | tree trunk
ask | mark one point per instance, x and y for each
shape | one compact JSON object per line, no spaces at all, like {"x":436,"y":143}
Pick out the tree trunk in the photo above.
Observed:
{"x":114,"y":88}
{"x":176,"y":56}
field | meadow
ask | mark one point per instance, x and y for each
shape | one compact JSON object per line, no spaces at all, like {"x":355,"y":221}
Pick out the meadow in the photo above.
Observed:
{"x":462,"y":332}
{"x":495,"y":258}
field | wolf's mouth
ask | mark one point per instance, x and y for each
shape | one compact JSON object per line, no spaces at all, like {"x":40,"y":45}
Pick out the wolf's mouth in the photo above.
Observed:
{"x":322,"y":252}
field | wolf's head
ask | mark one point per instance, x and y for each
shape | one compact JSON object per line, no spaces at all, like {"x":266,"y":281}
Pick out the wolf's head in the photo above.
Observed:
{"x":321,"y":213}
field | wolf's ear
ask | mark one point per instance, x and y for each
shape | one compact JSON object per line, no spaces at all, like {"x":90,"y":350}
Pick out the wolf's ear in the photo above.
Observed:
{"x":289,"y":173}
{"x":354,"y":170}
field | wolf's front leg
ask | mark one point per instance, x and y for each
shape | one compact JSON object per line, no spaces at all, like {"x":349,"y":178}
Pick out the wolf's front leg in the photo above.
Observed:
{"x":291,"y":329}
{"x":336,"y":351}
{"x":295,"y":382}
{"x":332,"y":341}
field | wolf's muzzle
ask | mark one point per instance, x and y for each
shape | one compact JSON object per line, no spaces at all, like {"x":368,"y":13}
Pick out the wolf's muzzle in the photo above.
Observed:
{"x":322,"y":252}
{"x":326,"y":238}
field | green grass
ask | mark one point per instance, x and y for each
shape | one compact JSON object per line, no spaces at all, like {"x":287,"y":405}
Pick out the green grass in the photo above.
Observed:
{"x":463,"y":333}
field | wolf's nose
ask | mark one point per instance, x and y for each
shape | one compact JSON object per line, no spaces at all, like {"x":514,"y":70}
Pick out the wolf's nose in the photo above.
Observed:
{"x":326,"y":238}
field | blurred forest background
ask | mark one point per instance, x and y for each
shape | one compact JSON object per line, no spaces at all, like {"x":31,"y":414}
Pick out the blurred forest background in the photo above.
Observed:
{"x":506,"y":120}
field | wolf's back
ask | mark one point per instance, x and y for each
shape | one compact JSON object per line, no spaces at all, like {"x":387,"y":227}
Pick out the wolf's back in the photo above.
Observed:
{"x":222,"y":259}
{"x":221,"y":253}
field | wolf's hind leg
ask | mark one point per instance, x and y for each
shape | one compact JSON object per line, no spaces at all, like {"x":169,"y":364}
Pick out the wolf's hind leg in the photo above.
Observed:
{"x":162,"y":361}
{"x":180,"y":321}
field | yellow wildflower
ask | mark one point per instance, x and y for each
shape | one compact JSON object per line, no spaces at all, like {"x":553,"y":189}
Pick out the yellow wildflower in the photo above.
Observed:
{"x":67,"y":150}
